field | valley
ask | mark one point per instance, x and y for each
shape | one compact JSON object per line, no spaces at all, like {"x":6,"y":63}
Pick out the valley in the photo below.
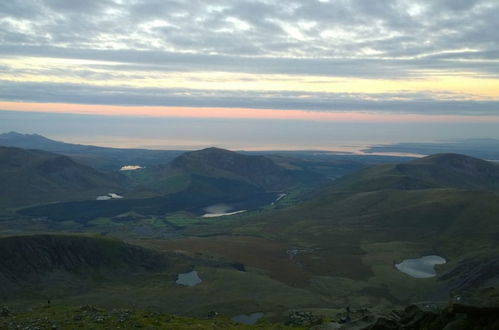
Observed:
{"x":251,"y":164}
{"x":305,"y":241}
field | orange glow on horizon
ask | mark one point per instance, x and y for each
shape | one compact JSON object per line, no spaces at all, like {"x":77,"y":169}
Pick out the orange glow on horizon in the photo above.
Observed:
{"x":235,"y":113}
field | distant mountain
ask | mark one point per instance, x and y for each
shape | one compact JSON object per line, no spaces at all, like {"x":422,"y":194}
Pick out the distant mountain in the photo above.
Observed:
{"x":436,"y":171}
{"x":261,"y":171}
{"x":33,"y":176}
{"x":57,"y":260}
{"x":481,"y":148}
{"x":190,"y":183}
{"x":253,"y":172}
{"x":101,"y":158}
{"x":33,"y":141}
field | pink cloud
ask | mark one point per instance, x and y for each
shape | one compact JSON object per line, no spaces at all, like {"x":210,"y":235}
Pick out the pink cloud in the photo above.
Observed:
{"x":236,"y":113}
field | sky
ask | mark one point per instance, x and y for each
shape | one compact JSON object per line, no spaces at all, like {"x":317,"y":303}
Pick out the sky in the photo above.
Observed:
{"x":250,"y":74}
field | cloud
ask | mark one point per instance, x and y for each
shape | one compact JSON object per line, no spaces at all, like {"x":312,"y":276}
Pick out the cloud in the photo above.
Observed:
{"x":311,"y":29}
{"x":484,"y":63}
{"x":396,"y":103}
{"x":399,"y":39}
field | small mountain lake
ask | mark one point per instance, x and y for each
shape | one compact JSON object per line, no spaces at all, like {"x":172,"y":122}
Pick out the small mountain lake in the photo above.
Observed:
{"x":423,"y":267}
{"x":219,"y":210}
{"x":188,"y":279}
{"x":130,"y":167}
{"x":108,"y":197}
{"x":247,"y":319}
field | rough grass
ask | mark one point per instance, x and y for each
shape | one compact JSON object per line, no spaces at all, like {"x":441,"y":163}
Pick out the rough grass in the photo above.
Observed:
{"x":90,"y":317}
{"x":267,"y":255}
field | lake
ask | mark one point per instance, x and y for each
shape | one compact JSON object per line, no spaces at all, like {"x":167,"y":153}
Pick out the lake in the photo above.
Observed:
{"x":219,"y":210}
{"x":108,"y":197}
{"x":423,"y":267}
{"x":130,"y":167}
{"x":188,"y":279}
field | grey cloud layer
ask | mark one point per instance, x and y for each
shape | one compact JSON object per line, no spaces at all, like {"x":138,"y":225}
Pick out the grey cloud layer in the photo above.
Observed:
{"x":359,"y":28}
{"x":154,"y":60}
{"x":356,"y":38}
{"x":388,"y":102}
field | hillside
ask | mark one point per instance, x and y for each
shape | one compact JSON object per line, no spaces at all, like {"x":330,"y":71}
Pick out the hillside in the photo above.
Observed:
{"x":354,"y":231}
{"x":436,"y":171}
{"x":60,"y":260}
{"x":192,"y":182}
{"x":33,"y":176}
{"x":484,"y":148}
{"x":101,"y":158}
{"x":259,"y":172}
{"x":470,"y":315}
{"x":338,"y":248}
{"x":91,"y":317}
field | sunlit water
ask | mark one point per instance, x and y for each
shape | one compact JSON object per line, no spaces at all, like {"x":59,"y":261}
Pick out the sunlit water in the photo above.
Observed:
{"x":421,"y":267}
{"x":130,"y":167}
{"x":219,"y":210}
{"x":108,"y":197}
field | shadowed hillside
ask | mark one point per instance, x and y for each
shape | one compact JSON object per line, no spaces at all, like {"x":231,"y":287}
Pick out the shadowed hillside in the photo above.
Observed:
{"x":41,"y":259}
{"x":33,"y":176}
{"x":101,"y":158}
{"x":189,"y":170}
{"x":436,"y":171}
{"x":258,"y":170}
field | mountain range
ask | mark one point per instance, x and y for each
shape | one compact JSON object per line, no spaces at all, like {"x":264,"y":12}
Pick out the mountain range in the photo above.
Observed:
{"x":101,"y":158}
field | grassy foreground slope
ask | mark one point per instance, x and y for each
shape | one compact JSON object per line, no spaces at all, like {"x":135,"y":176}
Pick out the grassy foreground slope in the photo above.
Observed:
{"x":73,"y":270}
{"x":90,"y":317}
{"x":478,"y":311}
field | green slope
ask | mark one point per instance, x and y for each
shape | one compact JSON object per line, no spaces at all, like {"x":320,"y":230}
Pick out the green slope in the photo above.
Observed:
{"x":356,"y":229}
{"x":257,"y":171}
{"x":436,"y":171}
{"x":37,"y":263}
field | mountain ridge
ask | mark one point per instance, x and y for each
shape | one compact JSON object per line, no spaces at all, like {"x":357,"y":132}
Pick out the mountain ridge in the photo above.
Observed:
{"x":447,"y":170}
{"x":34,"y":259}
{"x":101,"y":158}
{"x":254,"y":169}
{"x":34,"y":176}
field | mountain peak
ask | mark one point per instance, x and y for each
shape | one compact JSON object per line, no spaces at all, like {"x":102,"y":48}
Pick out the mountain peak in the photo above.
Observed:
{"x":208,"y":156}
{"x":436,"y":171}
{"x":28,"y":141}
{"x":254,"y":169}
{"x":456,"y":162}
{"x":17,"y":135}
{"x":447,"y":157}
{"x":210,"y":150}
{"x":33,"y":176}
